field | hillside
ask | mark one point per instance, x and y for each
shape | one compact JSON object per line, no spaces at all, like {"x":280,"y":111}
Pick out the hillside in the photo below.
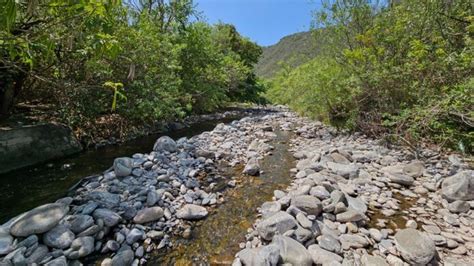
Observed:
{"x":294,"y":49}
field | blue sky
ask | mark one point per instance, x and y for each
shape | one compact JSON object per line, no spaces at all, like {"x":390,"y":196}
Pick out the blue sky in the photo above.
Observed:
{"x":263,"y":21}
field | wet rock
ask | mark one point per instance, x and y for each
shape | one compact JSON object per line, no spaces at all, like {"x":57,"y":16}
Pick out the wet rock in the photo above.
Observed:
{"x":414,"y":246}
{"x":59,"y":237}
{"x":165,"y":143}
{"x":109,"y":217}
{"x":322,"y":256}
{"x":279,"y":222}
{"x":80,"y":247}
{"x":292,"y":252}
{"x":192,"y":212}
{"x":309,"y":204}
{"x":252,"y":167}
{"x":344,"y":170}
{"x":123,"y":166}
{"x":459,"y":186}
{"x":38,"y":220}
{"x":148,"y":215}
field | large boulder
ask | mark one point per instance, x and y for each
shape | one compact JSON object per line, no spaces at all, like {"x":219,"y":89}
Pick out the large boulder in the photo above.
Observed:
{"x":309,"y":204}
{"x":192,"y":212}
{"x":165,"y":143}
{"x":292,"y":252}
{"x":59,"y":237}
{"x":279,"y":222}
{"x":414,"y":169}
{"x":39,"y":220}
{"x":415,"y":247}
{"x":123,"y":166}
{"x":148,"y":215}
{"x":459,"y":186}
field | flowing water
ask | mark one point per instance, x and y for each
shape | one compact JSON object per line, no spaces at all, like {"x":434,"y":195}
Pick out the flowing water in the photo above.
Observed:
{"x":216,"y":239}
{"x":26,"y":188}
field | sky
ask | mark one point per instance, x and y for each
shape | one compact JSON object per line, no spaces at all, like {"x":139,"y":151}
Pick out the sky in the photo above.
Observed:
{"x":263,"y":21}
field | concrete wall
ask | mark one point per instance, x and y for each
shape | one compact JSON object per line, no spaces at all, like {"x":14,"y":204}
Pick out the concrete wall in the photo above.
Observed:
{"x":28,"y":145}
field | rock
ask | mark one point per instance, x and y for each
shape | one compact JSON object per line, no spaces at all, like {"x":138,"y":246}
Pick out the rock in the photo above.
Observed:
{"x":350,"y":216}
{"x":165,"y":143}
{"x":37,"y":255}
{"x":304,"y":221}
{"x":279,"y":222}
{"x":266,"y":255}
{"x":39,"y":220}
{"x":110,"y":218}
{"x":79,"y":223}
{"x":269,"y":208}
{"x":5,"y":241}
{"x":414,"y":169}
{"x":459,"y":186}
{"x":321,"y":256}
{"x":329,"y":243}
{"x":414,"y":246}
{"x":292,"y":252}
{"x":59,"y":237}
{"x":134,"y":235}
{"x":80,"y":247}
{"x":433,"y":229}
{"x":411,"y":224}
{"x":353,"y":241}
{"x":375,"y":234}
{"x":191,"y":212}
{"x":356,"y":204}
{"x":148,"y":215}
{"x":344,"y":170}
{"x":400,"y":179}
{"x":368,"y":260}
{"x":123,"y":166}
{"x":105,"y":199}
{"x":123,"y":258}
{"x":252,"y":167}
{"x":59,"y":261}
{"x":459,"y":206}
{"x":309,"y":204}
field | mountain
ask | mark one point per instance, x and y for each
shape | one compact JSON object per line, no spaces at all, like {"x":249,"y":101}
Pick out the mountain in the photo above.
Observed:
{"x":294,"y":50}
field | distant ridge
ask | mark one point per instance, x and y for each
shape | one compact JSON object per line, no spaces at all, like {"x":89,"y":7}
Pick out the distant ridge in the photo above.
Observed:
{"x":294,"y":50}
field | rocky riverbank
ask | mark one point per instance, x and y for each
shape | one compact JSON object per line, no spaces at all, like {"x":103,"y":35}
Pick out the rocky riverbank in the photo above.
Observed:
{"x":133,"y":208}
{"x":354,"y":202}
{"x":351,"y":202}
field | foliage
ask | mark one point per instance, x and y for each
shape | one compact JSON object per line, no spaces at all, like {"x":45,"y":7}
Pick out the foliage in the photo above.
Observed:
{"x":405,"y":69}
{"x":154,"y":54}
